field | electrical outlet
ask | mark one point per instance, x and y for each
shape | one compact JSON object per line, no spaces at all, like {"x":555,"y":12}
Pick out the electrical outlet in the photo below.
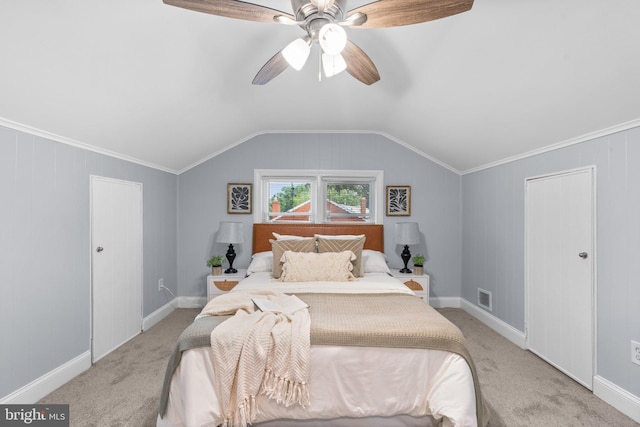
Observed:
{"x":635,"y":352}
{"x":160,"y":284}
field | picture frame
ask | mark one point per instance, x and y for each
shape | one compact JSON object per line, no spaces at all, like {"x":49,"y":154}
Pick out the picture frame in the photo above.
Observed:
{"x":398,"y":200}
{"x":239,"y":198}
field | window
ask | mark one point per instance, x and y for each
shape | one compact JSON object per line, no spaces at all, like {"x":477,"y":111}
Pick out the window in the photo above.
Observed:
{"x":318,"y":196}
{"x":289,"y":200}
{"x":348,"y":200}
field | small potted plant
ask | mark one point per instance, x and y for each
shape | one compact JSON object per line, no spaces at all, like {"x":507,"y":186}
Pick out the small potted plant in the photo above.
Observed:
{"x":215,"y":262}
{"x":418,"y":265}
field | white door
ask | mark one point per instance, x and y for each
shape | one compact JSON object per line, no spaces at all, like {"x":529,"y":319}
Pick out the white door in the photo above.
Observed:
{"x":560,"y":218}
{"x":116,"y":263}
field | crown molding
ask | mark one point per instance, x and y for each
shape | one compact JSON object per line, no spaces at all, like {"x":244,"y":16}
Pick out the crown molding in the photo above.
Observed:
{"x":68,"y":141}
{"x":572,"y":141}
{"x":577,"y":140}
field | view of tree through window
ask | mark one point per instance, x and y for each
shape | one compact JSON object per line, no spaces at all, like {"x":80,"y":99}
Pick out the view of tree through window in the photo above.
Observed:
{"x":290,"y":194}
{"x":347,"y":201}
{"x":289,"y":201}
{"x":348,"y":194}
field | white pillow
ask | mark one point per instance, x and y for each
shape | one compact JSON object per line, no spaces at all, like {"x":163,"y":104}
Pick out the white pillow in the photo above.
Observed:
{"x":374,"y":262}
{"x":315,"y":267}
{"x":261,"y":262}
{"x":339,"y":237}
{"x":287,"y":237}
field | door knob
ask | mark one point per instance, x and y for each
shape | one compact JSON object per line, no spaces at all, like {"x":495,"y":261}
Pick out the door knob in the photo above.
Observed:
{"x":99,"y":249}
{"x":583,"y":255}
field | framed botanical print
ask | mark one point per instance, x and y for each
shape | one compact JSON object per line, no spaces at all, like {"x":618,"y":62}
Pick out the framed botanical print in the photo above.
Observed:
{"x":398,"y":200}
{"x":239,"y":198}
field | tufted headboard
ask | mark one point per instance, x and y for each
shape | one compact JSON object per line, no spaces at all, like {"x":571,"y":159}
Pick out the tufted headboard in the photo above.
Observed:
{"x":263,"y":232}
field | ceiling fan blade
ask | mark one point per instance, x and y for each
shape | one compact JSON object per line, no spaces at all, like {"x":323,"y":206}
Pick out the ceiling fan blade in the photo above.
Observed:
{"x":272,"y":69}
{"x":359,"y":65}
{"x":287,"y":20}
{"x":394,"y":13}
{"x":354,"y":20}
{"x":231,"y":9}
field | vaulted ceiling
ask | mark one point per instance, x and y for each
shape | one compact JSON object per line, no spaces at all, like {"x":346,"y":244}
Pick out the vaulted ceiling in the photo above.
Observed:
{"x":169,"y":87}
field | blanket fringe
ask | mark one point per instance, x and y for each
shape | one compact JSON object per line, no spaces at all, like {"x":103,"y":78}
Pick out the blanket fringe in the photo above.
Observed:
{"x":284,"y":390}
{"x":245,"y":413}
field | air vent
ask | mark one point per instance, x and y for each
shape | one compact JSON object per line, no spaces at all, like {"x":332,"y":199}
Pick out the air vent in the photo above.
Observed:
{"x":484,"y":299}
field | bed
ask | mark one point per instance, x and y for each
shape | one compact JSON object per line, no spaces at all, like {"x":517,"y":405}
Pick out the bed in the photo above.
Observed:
{"x":394,"y":362}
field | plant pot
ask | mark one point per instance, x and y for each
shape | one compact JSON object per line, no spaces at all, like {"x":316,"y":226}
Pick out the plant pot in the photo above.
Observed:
{"x":216,"y":271}
{"x":418,"y":270}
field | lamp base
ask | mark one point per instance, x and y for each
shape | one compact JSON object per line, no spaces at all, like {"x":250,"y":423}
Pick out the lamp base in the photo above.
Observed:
{"x":231,"y":255}
{"x":406,"y":256}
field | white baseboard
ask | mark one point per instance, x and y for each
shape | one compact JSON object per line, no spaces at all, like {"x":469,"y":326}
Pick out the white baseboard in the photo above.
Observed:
{"x":40,"y":387}
{"x":509,"y":332}
{"x":619,"y":398}
{"x":444,"y":302}
{"x":167,"y":309}
{"x":192,"y":302}
{"x":159,"y":314}
{"x":506,"y":330}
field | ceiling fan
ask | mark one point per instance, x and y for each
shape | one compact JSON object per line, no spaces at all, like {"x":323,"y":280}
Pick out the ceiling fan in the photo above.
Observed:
{"x":323,"y":20}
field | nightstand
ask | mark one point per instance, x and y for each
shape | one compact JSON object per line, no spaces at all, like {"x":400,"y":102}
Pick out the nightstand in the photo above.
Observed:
{"x":417,"y":283}
{"x":218,"y":285}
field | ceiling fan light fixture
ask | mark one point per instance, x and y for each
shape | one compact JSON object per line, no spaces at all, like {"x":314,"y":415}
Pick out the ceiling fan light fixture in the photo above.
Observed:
{"x":296,"y":53}
{"x":333,"y":64}
{"x":332,"y":39}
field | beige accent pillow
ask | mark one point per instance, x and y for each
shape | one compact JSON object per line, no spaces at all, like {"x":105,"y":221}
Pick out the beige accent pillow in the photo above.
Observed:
{"x":278,"y":247}
{"x":355,"y":245}
{"x":314,"y":267}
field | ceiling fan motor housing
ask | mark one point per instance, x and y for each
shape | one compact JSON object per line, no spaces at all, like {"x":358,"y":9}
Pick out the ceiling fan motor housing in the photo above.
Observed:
{"x":306,"y":11}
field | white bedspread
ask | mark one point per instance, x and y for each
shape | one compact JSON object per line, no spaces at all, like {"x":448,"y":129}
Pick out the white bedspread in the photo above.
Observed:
{"x":344,"y":381}
{"x":367,"y":381}
{"x":370,"y":283}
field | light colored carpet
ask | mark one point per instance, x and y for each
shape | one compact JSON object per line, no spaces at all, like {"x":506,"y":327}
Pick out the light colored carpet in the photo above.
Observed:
{"x":523,"y":390}
{"x":123,"y":388}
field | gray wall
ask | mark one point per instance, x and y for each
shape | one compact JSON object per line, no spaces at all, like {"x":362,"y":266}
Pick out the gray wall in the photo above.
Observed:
{"x":473,"y":233}
{"x":435,"y":201}
{"x":45,"y":255}
{"x":493,"y":242}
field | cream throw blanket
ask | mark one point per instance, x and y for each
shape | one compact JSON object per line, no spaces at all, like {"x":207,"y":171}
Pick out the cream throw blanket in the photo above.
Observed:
{"x":258,"y":352}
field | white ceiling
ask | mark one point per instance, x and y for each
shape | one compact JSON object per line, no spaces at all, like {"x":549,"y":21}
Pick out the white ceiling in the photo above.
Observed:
{"x":169,"y":87}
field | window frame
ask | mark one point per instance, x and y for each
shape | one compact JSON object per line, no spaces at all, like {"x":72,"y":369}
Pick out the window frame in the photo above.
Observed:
{"x":318,"y":179}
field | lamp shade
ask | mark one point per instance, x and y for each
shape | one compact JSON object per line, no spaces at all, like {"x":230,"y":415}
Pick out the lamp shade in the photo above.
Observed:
{"x":230,"y":232}
{"x":407,"y":233}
